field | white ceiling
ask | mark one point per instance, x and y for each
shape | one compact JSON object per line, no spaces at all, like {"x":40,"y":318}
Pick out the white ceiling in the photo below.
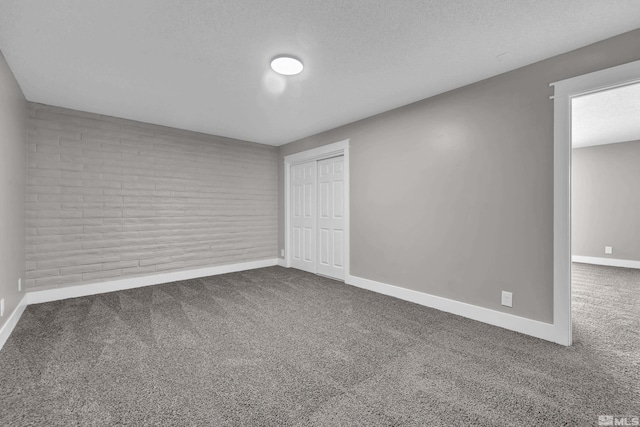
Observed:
{"x":202,"y":65}
{"x":606,"y":117}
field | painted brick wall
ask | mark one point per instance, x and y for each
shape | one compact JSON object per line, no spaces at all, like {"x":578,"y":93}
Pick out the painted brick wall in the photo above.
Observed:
{"x":109,"y":198}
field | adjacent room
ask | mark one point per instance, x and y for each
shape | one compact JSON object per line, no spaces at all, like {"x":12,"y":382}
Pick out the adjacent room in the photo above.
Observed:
{"x":605,"y":131}
{"x":299,"y":213}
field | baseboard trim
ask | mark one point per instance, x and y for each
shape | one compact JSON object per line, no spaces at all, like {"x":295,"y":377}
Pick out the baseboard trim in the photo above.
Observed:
{"x":36,"y":297}
{"x":282,"y":262}
{"x":611,"y":262}
{"x":545,"y":331}
{"x":12,"y":321}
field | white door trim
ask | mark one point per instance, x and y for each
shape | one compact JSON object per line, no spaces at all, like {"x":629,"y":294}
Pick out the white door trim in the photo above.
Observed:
{"x":324,"y":152}
{"x":564,"y":91}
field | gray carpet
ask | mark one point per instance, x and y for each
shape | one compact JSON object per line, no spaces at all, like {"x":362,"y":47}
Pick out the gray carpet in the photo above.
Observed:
{"x":279,"y":347}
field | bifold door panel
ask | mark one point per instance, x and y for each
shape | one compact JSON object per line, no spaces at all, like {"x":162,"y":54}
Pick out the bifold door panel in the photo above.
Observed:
{"x":303,"y":216}
{"x":331,"y":217}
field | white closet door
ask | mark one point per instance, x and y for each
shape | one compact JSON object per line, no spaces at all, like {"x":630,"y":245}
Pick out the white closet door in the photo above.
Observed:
{"x":303,"y":216}
{"x":331,"y":218}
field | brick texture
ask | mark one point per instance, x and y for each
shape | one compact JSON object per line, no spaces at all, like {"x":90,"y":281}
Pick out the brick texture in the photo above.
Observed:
{"x":109,"y":198}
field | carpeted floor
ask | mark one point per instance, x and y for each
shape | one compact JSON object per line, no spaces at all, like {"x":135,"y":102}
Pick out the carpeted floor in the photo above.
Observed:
{"x":279,"y":347}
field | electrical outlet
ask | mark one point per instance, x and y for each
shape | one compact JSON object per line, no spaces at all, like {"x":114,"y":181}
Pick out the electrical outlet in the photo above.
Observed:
{"x":20,"y":284}
{"x":507,"y":299}
{"x":282,"y":252}
{"x":608,"y":250}
{"x":1,"y":307}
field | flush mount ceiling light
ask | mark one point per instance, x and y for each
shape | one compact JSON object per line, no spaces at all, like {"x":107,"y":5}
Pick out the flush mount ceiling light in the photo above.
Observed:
{"x":286,"y":65}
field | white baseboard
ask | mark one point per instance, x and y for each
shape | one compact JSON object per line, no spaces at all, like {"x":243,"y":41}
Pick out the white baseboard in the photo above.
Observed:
{"x":282,"y":262}
{"x":612,"y":262}
{"x":12,"y":321}
{"x":36,"y":297}
{"x":545,"y":331}
{"x":523,"y":325}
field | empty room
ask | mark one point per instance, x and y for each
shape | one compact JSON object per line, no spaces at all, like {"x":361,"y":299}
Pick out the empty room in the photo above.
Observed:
{"x":304,"y":213}
{"x":606,"y":211}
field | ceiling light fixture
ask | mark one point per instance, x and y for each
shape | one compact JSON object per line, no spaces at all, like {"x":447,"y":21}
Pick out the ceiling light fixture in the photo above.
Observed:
{"x":286,"y":65}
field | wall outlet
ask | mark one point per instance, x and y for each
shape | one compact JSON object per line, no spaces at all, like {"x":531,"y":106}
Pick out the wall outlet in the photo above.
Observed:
{"x":20,"y":284}
{"x":608,"y":250}
{"x":1,"y":307}
{"x":507,"y":299}
{"x":282,"y":252}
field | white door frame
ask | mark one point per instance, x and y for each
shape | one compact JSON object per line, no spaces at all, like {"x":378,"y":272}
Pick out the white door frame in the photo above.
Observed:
{"x":564,"y":92}
{"x":324,"y":152}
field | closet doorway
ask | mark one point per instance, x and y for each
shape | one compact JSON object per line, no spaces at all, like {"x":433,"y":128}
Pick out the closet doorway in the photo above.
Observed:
{"x":317,"y":210}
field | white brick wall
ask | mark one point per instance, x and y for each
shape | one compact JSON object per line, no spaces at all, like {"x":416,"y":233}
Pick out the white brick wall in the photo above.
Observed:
{"x":109,"y":198}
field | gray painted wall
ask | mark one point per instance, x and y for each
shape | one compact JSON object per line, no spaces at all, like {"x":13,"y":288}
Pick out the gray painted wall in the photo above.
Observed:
{"x":12,"y":188}
{"x":606,"y":200}
{"x":453,"y":195}
{"x":111,"y":198}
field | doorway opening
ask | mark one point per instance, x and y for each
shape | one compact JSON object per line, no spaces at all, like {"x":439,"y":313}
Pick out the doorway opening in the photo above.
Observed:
{"x":569,"y":94}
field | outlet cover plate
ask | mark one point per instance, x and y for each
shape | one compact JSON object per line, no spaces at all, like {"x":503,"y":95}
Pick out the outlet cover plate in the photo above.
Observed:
{"x":507,"y":299}
{"x":608,"y":250}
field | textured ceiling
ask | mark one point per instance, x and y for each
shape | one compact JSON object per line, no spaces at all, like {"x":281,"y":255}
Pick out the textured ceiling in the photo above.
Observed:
{"x":606,"y":117}
{"x":203,"y":64}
